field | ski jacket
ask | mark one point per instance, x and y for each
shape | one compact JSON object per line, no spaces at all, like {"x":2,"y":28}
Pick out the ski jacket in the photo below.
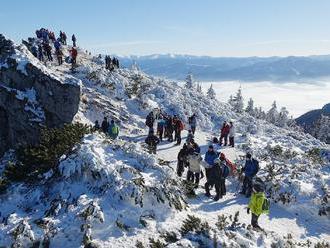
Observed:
{"x":194,"y":162}
{"x":214,"y":174}
{"x":232,"y":131}
{"x":256,"y":202}
{"x":113,"y":131}
{"x":150,"y":120}
{"x":225,"y":129}
{"x":105,"y":126}
{"x":210,"y":157}
{"x":251,"y":167}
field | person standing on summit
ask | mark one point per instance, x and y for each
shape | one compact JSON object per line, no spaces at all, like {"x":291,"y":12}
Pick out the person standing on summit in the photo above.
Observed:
{"x":224,"y":133}
{"x":193,"y":123}
{"x":74,"y":40}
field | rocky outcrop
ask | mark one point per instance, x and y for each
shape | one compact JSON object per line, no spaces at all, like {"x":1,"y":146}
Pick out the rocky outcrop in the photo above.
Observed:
{"x":31,"y":96}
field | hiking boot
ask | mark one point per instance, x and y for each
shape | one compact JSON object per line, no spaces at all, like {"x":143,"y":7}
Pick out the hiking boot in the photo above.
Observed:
{"x":216,"y":198}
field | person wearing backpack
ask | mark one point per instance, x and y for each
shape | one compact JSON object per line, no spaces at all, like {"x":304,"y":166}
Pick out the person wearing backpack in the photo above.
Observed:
{"x":225,"y":173}
{"x":193,"y":123}
{"x":194,"y":168}
{"x":250,"y":170}
{"x":224,"y":133}
{"x":152,"y":141}
{"x":105,"y":125}
{"x":258,"y":205}
{"x":182,"y":160}
{"x":150,"y":121}
{"x":113,"y":130}
{"x":74,"y":40}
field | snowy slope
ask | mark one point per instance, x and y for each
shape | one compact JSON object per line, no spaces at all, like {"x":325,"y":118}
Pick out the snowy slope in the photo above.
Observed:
{"x":114,"y":194}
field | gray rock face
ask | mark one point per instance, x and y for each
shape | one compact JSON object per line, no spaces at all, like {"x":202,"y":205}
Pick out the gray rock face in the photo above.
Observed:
{"x":31,"y":96}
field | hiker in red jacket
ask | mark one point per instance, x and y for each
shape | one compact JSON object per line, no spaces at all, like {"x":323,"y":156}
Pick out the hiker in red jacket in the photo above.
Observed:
{"x":73,"y":53}
{"x":178,"y":127}
{"x":224,"y":133}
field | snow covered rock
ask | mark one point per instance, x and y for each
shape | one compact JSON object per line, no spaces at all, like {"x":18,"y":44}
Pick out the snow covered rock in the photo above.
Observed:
{"x":31,"y":96}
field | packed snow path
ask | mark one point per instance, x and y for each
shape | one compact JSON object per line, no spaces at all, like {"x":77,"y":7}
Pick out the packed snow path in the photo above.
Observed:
{"x":300,"y":223}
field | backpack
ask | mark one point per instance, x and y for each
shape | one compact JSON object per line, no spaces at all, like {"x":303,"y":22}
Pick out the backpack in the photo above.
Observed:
{"x":266,"y":205}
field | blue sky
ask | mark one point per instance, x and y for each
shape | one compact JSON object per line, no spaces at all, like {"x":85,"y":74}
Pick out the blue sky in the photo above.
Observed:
{"x":198,"y":27}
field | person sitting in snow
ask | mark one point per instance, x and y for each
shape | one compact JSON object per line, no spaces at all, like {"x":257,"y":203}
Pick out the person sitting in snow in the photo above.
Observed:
{"x":194,"y":168}
{"x":152,"y":141}
{"x":250,"y":169}
{"x":113,"y":130}
{"x":224,"y":133}
{"x":190,"y":137}
{"x":257,"y":205}
{"x":105,"y":125}
{"x":182,"y":160}
{"x":231,"y":134}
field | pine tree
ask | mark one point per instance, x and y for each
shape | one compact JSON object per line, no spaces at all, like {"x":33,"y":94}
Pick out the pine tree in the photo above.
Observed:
{"x":190,"y":82}
{"x":211,"y":93}
{"x":237,"y":101}
{"x":283,"y":117}
{"x":199,"y":88}
{"x":250,"y":107}
{"x":272,"y":114}
{"x":321,"y":129}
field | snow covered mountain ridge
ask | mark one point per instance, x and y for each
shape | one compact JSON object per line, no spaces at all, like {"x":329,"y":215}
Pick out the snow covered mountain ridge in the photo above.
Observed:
{"x":113,"y":194}
{"x":205,"y":68}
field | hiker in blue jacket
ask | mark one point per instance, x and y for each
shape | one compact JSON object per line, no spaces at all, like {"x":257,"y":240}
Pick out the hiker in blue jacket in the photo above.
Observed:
{"x":250,"y":169}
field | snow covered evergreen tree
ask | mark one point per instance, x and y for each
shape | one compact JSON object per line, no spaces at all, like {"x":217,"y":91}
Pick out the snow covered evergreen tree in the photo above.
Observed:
{"x":237,"y":101}
{"x":190,"y":81}
{"x":321,"y":129}
{"x":211,"y":93}
{"x":272,"y":114}
{"x":283,"y":117}
{"x":250,"y":107}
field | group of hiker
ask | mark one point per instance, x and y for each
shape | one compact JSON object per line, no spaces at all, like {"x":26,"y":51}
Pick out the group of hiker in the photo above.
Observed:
{"x":214,"y":166}
{"x":111,"y":63}
{"x":111,"y":129}
{"x":47,"y":40}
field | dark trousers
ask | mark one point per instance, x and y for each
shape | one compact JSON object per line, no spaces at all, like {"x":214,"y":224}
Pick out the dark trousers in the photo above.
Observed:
{"x":178,"y":136}
{"x":247,"y":186}
{"x":191,"y":177}
{"x":49,"y":56}
{"x":217,"y":187}
{"x":74,"y":43}
{"x":193,"y":129}
{"x":225,"y":138}
{"x":231,"y":141}
{"x":223,"y":186}
{"x":254,"y":220}
{"x":60,"y":60}
{"x":160,"y":132}
{"x":180,"y":168}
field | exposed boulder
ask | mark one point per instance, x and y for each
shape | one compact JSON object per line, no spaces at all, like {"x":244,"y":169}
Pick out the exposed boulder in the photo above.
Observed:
{"x":31,"y":96}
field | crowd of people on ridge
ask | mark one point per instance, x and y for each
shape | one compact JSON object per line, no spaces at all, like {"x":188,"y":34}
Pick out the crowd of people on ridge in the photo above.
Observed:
{"x":215,"y":166}
{"x":111,"y":64}
{"x":46,"y":40}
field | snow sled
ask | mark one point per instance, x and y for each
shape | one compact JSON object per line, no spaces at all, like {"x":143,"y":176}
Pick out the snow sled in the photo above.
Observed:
{"x":68,"y":60}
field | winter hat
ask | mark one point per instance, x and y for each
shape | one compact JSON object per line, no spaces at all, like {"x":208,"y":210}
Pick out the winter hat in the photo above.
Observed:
{"x":210,"y":147}
{"x":249,"y":155}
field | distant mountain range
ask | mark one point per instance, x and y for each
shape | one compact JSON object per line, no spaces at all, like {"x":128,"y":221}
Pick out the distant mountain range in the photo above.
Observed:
{"x":206,"y":68}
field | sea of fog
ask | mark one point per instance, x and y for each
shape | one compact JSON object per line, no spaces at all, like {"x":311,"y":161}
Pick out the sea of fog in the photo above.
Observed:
{"x":297,"y":97}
